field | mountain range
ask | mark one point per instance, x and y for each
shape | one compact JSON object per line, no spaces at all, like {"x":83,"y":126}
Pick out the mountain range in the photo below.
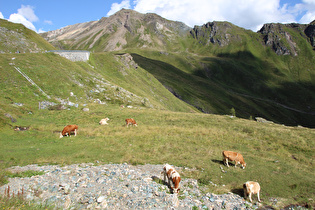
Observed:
{"x":218,"y":67}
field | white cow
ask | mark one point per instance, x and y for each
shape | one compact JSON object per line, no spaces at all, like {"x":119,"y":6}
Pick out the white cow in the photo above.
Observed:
{"x":104,"y":121}
{"x":250,"y":188}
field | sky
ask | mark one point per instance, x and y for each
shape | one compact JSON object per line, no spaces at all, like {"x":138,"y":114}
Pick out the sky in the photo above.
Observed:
{"x":47,"y":15}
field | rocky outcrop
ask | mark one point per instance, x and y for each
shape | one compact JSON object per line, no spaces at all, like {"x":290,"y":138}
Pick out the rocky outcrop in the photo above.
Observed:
{"x":278,"y":39}
{"x":310,"y":33}
{"x":114,"y":186}
{"x":214,"y":32}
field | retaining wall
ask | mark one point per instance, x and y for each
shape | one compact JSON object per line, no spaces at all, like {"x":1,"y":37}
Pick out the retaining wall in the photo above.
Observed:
{"x":73,"y":55}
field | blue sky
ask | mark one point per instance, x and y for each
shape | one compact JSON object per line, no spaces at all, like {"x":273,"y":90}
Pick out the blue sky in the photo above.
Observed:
{"x":47,"y":15}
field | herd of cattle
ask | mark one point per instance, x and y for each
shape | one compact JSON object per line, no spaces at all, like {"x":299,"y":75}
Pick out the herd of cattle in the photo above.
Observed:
{"x":169,"y":172}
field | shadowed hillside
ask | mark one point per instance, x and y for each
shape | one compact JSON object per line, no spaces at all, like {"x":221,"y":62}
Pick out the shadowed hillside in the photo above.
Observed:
{"x":215,"y":67}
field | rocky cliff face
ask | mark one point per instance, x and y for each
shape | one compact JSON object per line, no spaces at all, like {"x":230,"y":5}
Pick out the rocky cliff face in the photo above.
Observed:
{"x":280,"y":40}
{"x":220,"y":33}
{"x":310,"y":32}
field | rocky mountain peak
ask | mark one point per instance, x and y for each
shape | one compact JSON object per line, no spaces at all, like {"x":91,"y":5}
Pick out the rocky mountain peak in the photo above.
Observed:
{"x":126,"y":27}
{"x":220,"y":33}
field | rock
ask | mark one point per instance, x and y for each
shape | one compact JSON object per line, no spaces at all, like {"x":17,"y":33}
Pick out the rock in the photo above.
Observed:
{"x":13,"y":120}
{"x":114,"y":186}
{"x":100,"y":199}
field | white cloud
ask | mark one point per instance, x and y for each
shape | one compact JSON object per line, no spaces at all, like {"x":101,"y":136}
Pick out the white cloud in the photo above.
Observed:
{"x":116,"y":7}
{"x":28,"y":13}
{"x":41,"y":31}
{"x":17,"y":18}
{"x":1,"y":15}
{"x":309,"y":16}
{"x":49,"y":22}
{"x":249,"y":14}
{"x":25,"y":16}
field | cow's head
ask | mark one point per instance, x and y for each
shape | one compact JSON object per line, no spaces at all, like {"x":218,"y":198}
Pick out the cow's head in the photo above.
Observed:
{"x":243,"y":165}
{"x":175,"y":190}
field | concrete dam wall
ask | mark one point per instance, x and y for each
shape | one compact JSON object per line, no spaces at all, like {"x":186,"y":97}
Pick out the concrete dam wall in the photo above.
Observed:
{"x":73,"y":55}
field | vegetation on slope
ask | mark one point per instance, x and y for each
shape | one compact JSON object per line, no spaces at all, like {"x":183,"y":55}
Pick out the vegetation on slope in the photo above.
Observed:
{"x":109,"y":78}
{"x":253,"y":87}
{"x":280,"y":158}
{"x":218,"y":66}
{"x":17,"y":38}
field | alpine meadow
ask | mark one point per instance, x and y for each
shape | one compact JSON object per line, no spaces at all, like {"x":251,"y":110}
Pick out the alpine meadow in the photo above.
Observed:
{"x":193,"y":92}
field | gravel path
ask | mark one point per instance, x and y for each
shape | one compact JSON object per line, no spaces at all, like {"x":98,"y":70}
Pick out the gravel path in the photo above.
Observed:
{"x":115,"y":186}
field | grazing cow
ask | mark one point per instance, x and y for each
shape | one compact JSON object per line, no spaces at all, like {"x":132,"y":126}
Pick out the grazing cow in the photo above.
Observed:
{"x":250,"y":188}
{"x":172,"y":176}
{"x":233,"y":156}
{"x":131,"y":121}
{"x":68,"y":129}
{"x":104,"y":121}
{"x":21,"y":128}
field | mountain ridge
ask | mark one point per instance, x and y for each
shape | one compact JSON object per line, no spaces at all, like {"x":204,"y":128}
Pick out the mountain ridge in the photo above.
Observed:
{"x":86,"y":35}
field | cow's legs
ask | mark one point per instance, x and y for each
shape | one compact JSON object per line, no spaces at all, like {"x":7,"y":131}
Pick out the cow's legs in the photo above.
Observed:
{"x":227,"y":162}
{"x":258,"y":196}
{"x":250,"y":197}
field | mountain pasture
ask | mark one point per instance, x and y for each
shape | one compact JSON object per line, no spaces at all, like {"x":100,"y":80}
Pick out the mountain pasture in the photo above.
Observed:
{"x":280,"y":158}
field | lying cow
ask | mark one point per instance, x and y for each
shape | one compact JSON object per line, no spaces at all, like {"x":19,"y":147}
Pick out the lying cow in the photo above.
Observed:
{"x":68,"y":129}
{"x":172,"y":176}
{"x":104,"y":121}
{"x":233,"y":156}
{"x":250,"y":188}
{"x":131,"y":121}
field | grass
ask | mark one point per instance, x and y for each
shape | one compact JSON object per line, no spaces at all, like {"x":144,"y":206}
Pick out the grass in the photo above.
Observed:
{"x":280,"y":158}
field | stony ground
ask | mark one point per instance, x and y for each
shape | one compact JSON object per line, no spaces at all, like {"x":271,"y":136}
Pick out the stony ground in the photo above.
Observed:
{"x":115,"y":186}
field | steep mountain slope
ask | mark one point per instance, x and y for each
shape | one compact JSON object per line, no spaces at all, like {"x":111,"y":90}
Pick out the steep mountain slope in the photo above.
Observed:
{"x":124,"y":29}
{"x":216,"y":67}
{"x":17,"y":38}
{"x":51,"y":80}
{"x":29,"y":81}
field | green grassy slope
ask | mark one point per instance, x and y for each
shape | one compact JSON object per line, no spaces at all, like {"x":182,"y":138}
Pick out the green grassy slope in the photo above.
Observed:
{"x":280,"y":158}
{"x":107,"y":80}
{"x":246,"y":76}
{"x":16,"y":37}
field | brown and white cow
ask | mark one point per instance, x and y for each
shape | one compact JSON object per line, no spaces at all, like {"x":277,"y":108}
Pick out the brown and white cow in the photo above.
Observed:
{"x":233,"y":156}
{"x":131,"y":121}
{"x":104,"y":121}
{"x":250,"y":188}
{"x":173,"y":177}
{"x":68,"y":129}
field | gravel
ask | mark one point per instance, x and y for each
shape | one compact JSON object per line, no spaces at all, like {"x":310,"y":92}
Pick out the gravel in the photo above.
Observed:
{"x":114,"y":186}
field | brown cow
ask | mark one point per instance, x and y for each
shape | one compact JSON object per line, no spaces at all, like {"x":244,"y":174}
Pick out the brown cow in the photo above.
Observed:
{"x":250,"y":188}
{"x":131,"y":121}
{"x":233,"y":156}
{"x":68,"y":129}
{"x":172,"y":176}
